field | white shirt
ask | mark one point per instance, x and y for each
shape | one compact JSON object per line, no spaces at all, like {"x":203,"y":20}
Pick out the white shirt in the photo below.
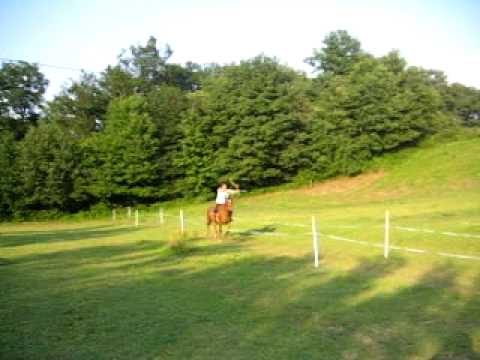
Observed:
{"x":222,"y":196}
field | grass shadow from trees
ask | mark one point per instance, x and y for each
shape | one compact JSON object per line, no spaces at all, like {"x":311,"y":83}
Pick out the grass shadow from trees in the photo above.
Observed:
{"x":234,"y":306}
{"x":21,"y":238}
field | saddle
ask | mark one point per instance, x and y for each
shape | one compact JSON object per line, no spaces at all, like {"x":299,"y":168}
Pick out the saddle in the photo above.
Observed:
{"x":228,"y":206}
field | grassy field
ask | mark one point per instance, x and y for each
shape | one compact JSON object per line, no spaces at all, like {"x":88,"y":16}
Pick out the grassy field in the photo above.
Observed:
{"x":110,"y":290}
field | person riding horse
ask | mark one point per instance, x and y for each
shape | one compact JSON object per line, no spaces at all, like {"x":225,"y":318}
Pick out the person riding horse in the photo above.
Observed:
{"x":224,"y":198}
{"x":221,"y":213}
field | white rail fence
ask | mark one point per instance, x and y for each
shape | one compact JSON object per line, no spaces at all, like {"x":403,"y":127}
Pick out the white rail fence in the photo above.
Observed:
{"x":183,"y":223}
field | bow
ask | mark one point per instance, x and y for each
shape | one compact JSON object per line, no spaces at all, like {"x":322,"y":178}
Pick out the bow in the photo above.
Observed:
{"x":234,"y":184}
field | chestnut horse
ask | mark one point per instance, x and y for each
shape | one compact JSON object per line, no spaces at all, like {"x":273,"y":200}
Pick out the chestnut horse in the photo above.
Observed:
{"x":219,"y":217}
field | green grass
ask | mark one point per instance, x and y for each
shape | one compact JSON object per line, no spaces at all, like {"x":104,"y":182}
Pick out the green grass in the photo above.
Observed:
{"x":104,"y":290}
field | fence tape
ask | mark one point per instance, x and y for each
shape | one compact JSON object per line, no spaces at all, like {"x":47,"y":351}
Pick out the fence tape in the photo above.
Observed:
{"x":460,"y":256}
{"x":448,"y":233}
{"x":361,"y":242}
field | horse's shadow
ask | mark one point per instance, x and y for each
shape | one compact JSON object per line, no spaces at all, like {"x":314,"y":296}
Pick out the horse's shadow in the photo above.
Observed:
{"x":244,"y":235}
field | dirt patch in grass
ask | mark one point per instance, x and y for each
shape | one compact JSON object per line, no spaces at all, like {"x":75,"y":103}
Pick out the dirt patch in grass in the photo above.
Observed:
{"x":464,"y":184}
{"x":343,"y":184}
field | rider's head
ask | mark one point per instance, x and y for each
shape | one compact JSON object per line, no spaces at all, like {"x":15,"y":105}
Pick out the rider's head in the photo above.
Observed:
{"x":223,"y":186}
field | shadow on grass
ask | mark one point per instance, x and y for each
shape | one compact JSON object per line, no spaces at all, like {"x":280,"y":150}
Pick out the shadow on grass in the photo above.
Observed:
{"x":21,"y":238}
{"x":220,"y":303}
{"x":244,"y":235}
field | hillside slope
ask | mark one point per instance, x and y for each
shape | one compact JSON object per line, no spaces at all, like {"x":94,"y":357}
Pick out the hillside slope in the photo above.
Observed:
{"x":433,"y":190}
{"x":453,"y":165}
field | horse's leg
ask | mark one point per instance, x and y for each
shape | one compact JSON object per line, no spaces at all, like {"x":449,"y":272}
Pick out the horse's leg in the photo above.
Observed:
{"x":214,"y":230}
{"x":220,"y":231}
{"x":211,"y":221}
{"x":208,"y":225}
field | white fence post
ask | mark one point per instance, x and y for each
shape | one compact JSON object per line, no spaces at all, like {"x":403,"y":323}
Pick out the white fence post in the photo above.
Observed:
{"x":129,"y":212}
{"x":114,"y":214}
{"x":136,"y":217}
{"x":315,"y":240}
{"x":182,"y":223}
{"x":161,"y":216}
{"x":386,"y":242}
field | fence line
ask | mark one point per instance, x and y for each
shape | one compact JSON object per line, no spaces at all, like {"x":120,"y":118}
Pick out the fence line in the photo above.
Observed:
{"x":448,"y":233}
{"x":361,"y":242}
{"x":184,"y":220}
{"x":420,"y":251}
{"x":386,"y":240}
{"x":315,"y":241}
{"x":460,"y":256}
{"x":325,"y":226}
{"x":403,"y":228}
{"x":393,"y":247}
{"x":367,"y":243}
{"x":163,"y":215}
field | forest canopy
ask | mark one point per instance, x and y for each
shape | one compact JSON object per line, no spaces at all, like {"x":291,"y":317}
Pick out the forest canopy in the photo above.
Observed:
{"x":147,"y":130}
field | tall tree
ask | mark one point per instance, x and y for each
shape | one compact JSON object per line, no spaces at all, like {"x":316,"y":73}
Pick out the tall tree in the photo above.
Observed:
{"x":394,"y":62}
{"x":122,"y":161}
{"x":165,"y":105}
{"x":375,"y":108}
{"x":196,"y":158}
{"x":149,"y":68}
{"x":146,"y":64}
{"x":8,"y":179}
{"x":81,"y":107}
{"x":340,"y":52}
{"x":116,"y":82}
{"x":464,"y":102}
{"x":22,"y":86}
{"x":47,"y":161}
{"x":249,"y":115}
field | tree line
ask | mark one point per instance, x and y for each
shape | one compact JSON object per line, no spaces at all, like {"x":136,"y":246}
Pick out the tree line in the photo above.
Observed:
{"x":147,"y":130}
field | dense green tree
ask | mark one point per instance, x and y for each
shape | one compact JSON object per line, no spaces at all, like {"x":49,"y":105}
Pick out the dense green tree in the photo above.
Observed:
{"x":394,"y":63}
{"x":8,"y":180}
{"x":247,"y":121}
{"x":147,"y":64}
{"x":81,"y":107}
{"x":421,"y":105}
{"x":146,"y":130}
{"x":377,"y":107}
{"x":121,"y":163}
{"x":464,"y":102}
{"x":196,"y":159}
{"x":165,"y":106}
{"x":148,"y":68}
{"x":340,"y":52}
{"x":47,"y":161}
{"x":265,"y":125}
{"x":22,"y":86}
{"x":116,"y":82}
{"x":183,"y":77}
